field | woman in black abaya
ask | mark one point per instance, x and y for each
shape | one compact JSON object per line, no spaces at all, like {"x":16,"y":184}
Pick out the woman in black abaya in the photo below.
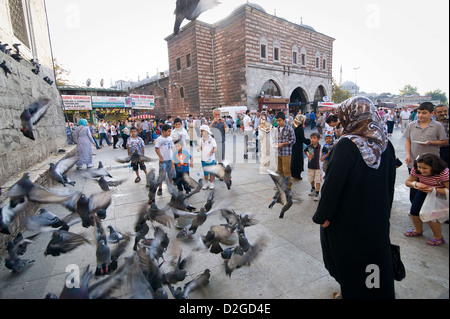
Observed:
{"x":297,"y":159}
{"x":355,"y":205}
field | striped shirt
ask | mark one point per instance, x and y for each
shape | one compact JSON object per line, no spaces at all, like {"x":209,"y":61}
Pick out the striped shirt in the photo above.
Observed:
{"x":286,"y":134}
{"x":434,"y":181}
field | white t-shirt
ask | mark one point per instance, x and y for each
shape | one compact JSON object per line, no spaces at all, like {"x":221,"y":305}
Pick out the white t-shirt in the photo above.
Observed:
{"x":183,"y":134}
{"x":207,"y":146}
{"x":165,"y":146}
{"x":405,"y":115}
{"x":247,"y":123}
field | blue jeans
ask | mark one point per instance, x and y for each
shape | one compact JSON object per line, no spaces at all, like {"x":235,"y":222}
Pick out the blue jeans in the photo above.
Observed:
{"x":103,"y":136}
{"x":167,"y":165}
{"x":417,"y":203}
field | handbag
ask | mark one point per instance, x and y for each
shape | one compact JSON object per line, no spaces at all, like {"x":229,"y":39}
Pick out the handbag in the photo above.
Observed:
{"x":435,"y":207}
{"x":399,"y":268}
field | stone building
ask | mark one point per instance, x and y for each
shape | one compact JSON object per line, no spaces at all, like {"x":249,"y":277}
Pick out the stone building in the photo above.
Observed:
{"x":25,"y":23}
{"x":250,"y":58}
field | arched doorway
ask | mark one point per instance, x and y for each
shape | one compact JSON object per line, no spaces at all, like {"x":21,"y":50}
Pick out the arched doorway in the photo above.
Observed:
{"x":298,"y":101}
{"x":271,"y":97}
{"x":318,"y":97}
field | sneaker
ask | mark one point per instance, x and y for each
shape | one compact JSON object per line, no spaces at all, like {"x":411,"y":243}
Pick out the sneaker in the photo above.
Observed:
{"x":159,"y":191}
{"x":312,"y":192}
{"x":137,"y":180}
{"x":211,"y":185}
{"x":205,"y":186}
{"x":316,"y":196}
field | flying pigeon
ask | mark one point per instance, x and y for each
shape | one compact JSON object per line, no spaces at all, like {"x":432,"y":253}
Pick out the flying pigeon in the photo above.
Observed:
{"x":178,"y":274}
{"x":134,"y":158}
{"x":63,"y":241}
{"x":44,"y":218}
{"x":190,"y":10}
{"x":9,"y":211}
{"x":16,"y":248}
{"x":243,"y":254}
{"x":114,"y":235}
{"x":58,"y":171}
{"x":153,"y":182}
{"x":98,"y":172}
{"x":32,"y":115}
{"x":216,"y":235}
{"x":221,"y":171}
{"x":282,"y":196}
{"x":5,"y":68}
{"x":105,"y":185}
{"x":200,"y":281}
{"x":86,"y":207}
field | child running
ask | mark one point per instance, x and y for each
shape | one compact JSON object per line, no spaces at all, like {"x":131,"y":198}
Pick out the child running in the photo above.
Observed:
{"x":135,"y":143}
{"x":164,"y":149}
{"x":429,"y":172}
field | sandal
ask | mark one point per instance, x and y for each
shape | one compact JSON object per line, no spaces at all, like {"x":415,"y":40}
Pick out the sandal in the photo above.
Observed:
{"x":435,"y":242}
{"x":412,"y":233}
{"x":337,"y":295}
{"x":137,"y":180}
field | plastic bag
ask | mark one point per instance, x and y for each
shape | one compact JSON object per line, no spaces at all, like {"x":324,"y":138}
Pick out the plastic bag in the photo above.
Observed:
{"x":435,"y":208}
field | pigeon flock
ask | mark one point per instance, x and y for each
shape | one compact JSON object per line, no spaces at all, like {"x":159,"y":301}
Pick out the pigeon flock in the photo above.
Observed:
{"x":145,"y":250}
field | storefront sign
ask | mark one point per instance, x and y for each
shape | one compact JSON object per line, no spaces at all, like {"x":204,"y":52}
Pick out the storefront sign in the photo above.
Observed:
{"x":140,"y":101}
{"x":111,"y":102}
{"x":77,"y":102}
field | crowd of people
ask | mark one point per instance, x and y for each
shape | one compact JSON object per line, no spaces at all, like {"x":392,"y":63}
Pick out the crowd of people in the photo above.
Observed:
{"x":355,"y":149}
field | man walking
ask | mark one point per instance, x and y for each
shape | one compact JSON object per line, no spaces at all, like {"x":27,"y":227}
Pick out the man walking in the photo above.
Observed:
{"x":286,"y":138}
{"x":405,"y":116}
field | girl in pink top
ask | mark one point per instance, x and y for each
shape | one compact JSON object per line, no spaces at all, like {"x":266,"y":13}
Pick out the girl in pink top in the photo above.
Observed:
{"x":429,"y":172}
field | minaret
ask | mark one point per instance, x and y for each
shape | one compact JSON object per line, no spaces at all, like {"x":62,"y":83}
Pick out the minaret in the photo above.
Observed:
{"x":340,"y":80}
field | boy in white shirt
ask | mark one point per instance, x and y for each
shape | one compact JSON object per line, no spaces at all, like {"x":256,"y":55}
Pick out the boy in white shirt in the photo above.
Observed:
{"x":164,"y":149}
{"x":207,"y":148}
{"x":179,"y":133}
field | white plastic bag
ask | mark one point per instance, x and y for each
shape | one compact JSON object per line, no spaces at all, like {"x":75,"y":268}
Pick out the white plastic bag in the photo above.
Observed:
{"x":435,"y":208}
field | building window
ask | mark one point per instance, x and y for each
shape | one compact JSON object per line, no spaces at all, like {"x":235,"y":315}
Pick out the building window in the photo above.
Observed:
{"x":324,"y":62}
{"x":303,"y":57}
{"x":276,"y":51}
{"x":178,"y":64}
{"x":317,"y":61}
{"x":182,"y":92}
{"x":188,"y":60}
{"x":263,"y":48}
{"x":18,"y":21}
{"x":270,"y":88}
{"x":294,"y":55}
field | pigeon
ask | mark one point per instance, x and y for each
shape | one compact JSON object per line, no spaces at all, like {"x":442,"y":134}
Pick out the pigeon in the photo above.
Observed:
{"x":98,"y":172}
{"x":48,"y":80}
{"x":178,"y":199}
{"x":154,"y":214}
{"x":158,"y":244}
{"x":153,"y":183}
{"x":5,"y":68}
{"x":198,"y":219}
{"x":221,"y":171}
{"x":24,"y":187}
{"x":216,"y":235}
{"x":192,"y":183}
{"x":16,"y":46}
{"x":141,"y":228}
{"x":9,"y":211}
{"x":200,"y":281}
{"x":282,"y":196}
{"x":134,"y":158}
{"x":152,"y":273}
{"x":238,"y":221}
{"x":58,"y":171}
{"x":114,"y":236}
{"x":44,"y":218}
{"x":3,"y":46}
{"x":17,"y":57}
{"x":190,"y":10}
{"x":32,"y":115}
{"x":117,"y":251}
{"x":178,"y":274}
{"x":63,"y":241}
{"x":13,"y":262}
{"x":86,"y":207}
{"x":139,"y":286}
{"x":103,"y":251}
{"x":243,"y":254}
{"x":105,"y":185}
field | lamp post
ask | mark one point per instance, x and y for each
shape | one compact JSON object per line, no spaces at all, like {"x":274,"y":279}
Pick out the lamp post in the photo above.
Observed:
{"x":356,"y":79}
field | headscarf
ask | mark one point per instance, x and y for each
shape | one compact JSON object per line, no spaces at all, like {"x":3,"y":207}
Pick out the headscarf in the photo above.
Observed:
{"x":82,"y":122}
{"x":363,"y":125}
{"x":299,"y":119}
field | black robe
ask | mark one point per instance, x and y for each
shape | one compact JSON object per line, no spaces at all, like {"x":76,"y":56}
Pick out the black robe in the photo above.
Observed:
{"x":357,"y":201}
{"x":297,"y":159}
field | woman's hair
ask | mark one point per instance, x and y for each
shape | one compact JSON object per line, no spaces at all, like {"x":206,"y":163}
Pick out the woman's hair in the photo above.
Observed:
{"x":435,"y":162}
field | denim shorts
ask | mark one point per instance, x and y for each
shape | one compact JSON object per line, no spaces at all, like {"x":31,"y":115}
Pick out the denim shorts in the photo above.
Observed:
{"x":167,"y":165}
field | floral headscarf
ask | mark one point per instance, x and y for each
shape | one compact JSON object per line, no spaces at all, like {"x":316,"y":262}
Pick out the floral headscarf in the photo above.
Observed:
{"x":363,"y":125}
{"x":299,"y":119}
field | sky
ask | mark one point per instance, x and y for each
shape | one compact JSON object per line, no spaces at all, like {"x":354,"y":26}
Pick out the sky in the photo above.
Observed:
{"x":382,"y":45}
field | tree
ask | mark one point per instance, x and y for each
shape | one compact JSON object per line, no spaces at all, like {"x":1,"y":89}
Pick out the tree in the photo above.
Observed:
{"x":438,"y":95}
{"x":60,"y":73}
{"x":339,"y":95}
{"x":408,"y":89}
